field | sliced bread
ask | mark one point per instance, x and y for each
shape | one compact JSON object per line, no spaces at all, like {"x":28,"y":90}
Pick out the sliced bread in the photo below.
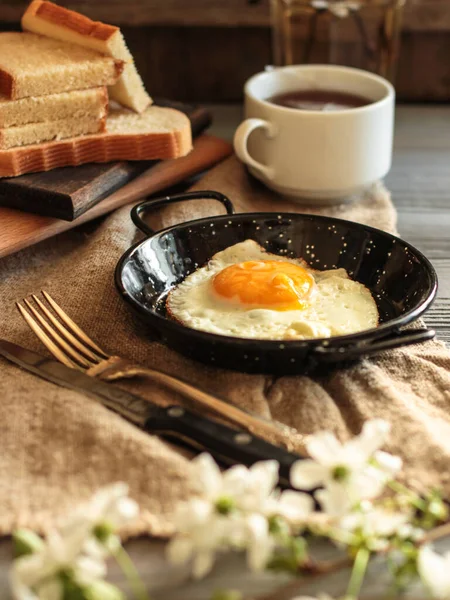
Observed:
{"x":159,"y":133}
{"x":34,"y":65}
{"x":60,"y":23}
{"x":36,"y":133}
{"x":79,"y":104}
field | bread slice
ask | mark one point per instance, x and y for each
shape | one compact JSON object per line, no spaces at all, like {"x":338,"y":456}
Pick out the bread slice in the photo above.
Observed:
{"x":60,"y":23}
{"x":33,"y":65}
{"x":79,"y":104}
{"x":36,"y":133}
{"x":159,"y":133}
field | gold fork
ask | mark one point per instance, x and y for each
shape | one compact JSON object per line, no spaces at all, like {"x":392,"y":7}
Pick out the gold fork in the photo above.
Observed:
{"x":74,"y":348}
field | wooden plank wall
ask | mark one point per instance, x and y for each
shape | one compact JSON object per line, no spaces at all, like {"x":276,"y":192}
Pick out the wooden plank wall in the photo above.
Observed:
{"x":204,"y":50}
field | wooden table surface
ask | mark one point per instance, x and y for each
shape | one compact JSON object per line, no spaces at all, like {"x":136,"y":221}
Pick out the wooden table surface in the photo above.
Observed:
{"x":420,"y":186}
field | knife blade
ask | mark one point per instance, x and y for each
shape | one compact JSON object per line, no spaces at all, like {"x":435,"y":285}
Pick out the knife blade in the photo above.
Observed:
{"x":228,"y":445}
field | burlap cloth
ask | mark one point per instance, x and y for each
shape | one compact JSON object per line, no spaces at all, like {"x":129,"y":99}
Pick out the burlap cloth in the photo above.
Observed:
{"x":57,"y":446}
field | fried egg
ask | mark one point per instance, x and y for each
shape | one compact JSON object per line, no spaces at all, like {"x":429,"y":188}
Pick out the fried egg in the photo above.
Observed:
{"x":247,"y":292}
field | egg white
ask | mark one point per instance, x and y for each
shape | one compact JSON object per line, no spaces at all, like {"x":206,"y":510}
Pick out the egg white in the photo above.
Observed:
{"x":337,"y":305}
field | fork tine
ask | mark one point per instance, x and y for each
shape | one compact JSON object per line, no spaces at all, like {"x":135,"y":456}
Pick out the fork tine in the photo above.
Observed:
{"x":65,"y":333}
{"x":49,"y":343}
{"x":61,"y":342}
{"x":74,"y":327}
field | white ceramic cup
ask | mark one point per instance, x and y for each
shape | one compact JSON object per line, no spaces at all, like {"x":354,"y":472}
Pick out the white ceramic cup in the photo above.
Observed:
{"x":320,"y":156}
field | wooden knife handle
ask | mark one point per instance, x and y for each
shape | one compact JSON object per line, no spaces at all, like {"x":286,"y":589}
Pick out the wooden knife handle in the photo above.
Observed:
{"x":228,"y":446}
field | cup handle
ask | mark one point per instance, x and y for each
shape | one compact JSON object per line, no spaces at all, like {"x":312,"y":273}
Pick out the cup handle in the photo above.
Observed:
{"x":240,"y":144}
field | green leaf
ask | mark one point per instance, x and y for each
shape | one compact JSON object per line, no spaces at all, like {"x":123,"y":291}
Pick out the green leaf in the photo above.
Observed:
{"x":26,"y":542}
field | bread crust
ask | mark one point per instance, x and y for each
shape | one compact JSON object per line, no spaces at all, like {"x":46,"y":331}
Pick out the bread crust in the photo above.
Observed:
{"x":103,"y":122}
{"x":105,"y":99}
{"x":64,"y":17}
{"x":98,"y":148}
{"x":48,"y":19}
{"x":7,"y":87}
{"x":119,"y":66}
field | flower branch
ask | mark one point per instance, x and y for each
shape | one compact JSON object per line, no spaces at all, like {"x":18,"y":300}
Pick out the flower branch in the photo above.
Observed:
{"x":70,"y":563}
{"x":364,"y":511}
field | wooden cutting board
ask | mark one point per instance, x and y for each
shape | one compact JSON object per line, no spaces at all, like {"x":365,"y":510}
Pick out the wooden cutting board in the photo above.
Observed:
{"x":19,"y":229}
{"x":68,"y":192}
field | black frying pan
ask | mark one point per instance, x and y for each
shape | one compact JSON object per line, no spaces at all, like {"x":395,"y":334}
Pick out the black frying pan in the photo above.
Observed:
{"x":401,"y":279}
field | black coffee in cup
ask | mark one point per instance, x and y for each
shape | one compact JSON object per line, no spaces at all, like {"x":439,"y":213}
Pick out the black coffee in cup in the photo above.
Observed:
{"x":319,"y":100}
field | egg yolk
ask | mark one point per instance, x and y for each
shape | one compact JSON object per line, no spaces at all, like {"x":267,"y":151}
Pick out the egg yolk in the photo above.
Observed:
{"x":270,"y":284}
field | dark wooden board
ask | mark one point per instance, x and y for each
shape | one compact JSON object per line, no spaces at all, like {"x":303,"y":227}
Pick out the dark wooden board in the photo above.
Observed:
{"x":20,"y":229}
{"x":66,"y":193}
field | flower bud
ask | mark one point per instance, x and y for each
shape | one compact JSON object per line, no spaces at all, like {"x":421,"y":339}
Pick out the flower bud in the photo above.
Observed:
{"x":26,"y":542}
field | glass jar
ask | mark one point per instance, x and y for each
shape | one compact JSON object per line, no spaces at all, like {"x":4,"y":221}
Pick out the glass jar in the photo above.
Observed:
{"x":356,"y":33}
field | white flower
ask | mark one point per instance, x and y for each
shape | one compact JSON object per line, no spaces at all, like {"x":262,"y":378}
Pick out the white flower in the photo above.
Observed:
{"x":260,"y":543}
{"x":434,"y":570}
{"x":387,"y":463}
{"x":74,"y":549}
{"x":357,"y":466}
{"x":333,"y":461}
{"x":375,"y":525}
{"x":246,"y":489}
{"x":109,"y":508}
{"x":255,"y":527}
{"x":295,"y":507}
{"x":225,"y":515}
{"x":110,"y":505}
{"x":238,"y":488}
{"x":201,"y":533}
{"x":409,"y":532}
{"x":335,"y":500}
{"x":233,"y":512}
{"x":37,"y":576}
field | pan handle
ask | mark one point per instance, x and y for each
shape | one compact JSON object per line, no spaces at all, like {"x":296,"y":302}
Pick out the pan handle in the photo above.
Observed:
{"x":395,"y":339}
{"x":151,"y":205}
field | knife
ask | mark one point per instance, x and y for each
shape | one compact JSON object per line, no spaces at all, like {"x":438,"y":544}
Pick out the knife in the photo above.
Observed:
{"x":226,"y":444}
